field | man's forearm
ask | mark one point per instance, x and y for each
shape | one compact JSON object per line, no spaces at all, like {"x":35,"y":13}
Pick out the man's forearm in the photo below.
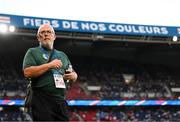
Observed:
{"x":36,"y":71}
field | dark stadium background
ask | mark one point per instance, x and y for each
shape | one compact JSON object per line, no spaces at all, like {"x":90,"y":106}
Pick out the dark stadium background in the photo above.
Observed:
{"x":88,"y":52}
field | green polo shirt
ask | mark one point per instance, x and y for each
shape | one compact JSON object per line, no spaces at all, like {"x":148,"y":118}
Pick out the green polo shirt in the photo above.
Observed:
{"x":45,"y":83}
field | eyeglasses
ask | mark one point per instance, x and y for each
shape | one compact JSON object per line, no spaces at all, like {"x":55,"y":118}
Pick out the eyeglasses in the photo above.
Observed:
{"x":48,"y":32}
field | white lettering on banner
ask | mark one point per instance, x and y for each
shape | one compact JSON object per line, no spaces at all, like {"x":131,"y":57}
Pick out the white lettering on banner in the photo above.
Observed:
{"x":46,"y":21}
{"x":85,"y":26}
{"x":102,"y":27}
{"x":142,"y":29}
{"x":112,"y":27}
{"x":69,"y":25}
{"x":149,"y":30}
{"x":97,"y":27}
{"x":120,"y":28}
{"x":137,"y":29}
{"x":128,"y":29}
{"x":93,"y":26}
{"x":66,"y":24}
{"x":26,"y":21}
{"x":74,"y":25}
{"x":55,"y":23}
{"x":164,"y":30}
{"x":37,"y":22}
{"x":32,"y":22}
{"x":156,"y":30}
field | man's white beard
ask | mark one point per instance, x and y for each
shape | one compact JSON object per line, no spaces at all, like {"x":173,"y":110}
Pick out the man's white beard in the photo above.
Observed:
{"x":48,"y":45}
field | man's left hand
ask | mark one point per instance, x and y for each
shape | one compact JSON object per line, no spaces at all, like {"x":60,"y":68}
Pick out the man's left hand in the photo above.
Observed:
{"x":70,"y":76}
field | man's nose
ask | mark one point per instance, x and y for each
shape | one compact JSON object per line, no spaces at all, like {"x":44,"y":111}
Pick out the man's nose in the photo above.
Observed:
{"x":46,"y":34}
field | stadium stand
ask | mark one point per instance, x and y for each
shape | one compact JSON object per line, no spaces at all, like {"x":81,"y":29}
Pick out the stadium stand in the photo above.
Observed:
{"x":110,"y":66}
{"x":103,"y":81}
{"x":126,"y":114}
{"x":14,"y":113}
{"x":151,"y":82}
{"x":107,"y":81}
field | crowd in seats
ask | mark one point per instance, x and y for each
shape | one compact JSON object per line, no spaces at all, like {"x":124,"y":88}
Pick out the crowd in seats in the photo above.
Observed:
{"x":76,"y":92}
{"x":105,"y":114}
{"x":84,"y":115}
{"x":12,"y":84}
{"x":14,"y":89}
{"x":150,"y":81}
{"x":14,"y":113}
{"x":126,"y":114}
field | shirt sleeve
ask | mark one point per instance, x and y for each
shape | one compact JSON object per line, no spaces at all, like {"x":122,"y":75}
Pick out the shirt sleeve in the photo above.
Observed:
{"x":29,"y":59}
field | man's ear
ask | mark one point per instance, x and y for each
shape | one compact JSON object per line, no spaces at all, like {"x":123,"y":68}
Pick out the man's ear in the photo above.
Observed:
{"x":37,"y":37}
{"x":54,"y":37}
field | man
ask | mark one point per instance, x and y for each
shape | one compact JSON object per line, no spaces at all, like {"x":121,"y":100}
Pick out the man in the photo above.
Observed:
{"x":46,"y":68}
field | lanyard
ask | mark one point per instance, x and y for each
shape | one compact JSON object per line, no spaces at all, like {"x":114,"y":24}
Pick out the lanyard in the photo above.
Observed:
{"x":49,"y":57}
{"x":46,"y":55}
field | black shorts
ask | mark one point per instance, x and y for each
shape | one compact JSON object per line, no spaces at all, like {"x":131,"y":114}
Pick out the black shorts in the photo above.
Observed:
{"x":46,"y":108}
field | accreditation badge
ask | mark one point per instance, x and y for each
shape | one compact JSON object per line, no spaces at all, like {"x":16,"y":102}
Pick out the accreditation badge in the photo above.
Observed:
{"x":59,"y":81}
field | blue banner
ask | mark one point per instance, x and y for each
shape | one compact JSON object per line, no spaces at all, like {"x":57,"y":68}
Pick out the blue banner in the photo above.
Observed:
{"x":90,"y":26}
{"x":105,"y":102}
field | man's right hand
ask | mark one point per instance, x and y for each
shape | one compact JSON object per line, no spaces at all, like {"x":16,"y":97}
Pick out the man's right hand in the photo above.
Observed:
{"x":36,"y":71}
{"x":56,"y":63}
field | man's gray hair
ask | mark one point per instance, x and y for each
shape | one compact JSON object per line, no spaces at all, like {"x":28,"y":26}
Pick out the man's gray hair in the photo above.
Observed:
{"x":47,"y":24}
